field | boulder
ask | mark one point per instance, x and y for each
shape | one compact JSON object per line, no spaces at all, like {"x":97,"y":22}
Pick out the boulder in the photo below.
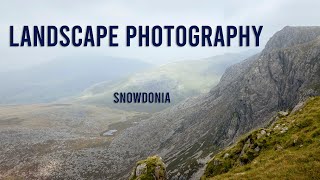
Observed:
{"x":150,"y":168}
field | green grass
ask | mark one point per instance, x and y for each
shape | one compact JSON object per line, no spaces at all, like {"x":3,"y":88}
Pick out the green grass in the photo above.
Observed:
{"x":293,"y":154}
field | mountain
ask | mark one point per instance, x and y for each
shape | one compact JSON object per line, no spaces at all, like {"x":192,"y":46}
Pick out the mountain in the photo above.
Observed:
{"x":290,"y":148}
{"x":182,"y":79}
{"x":248,"y":96}
{"x":62,"y":77}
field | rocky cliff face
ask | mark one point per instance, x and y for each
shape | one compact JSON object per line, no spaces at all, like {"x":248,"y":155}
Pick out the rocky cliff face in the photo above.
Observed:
{"x":292,"y":36}
{"x":248,"y":96}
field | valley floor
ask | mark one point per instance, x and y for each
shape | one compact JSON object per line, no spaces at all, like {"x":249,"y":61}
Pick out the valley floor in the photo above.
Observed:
{"x":48,"y":141}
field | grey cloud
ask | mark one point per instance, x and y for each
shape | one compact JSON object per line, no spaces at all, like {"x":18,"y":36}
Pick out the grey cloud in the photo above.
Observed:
{"x":272,"y":14}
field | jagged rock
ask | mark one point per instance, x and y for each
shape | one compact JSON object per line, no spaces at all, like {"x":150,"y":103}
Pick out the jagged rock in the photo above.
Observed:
{"x":261,"y":134}
{"x":284,"y":129}
{"x":226,"y":155}
{"x":283,"y":113}
{"x":297,"y":107}
{"x":277,"y":126}
{"x":216,"y":162}
{"x":278,"y":147}
{"x":182,"y":178}
{"x":257,"y":149}
{"x":245,"y":147}
{"x":141,"y":169}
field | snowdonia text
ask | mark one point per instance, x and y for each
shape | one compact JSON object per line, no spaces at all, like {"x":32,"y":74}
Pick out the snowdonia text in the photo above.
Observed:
{"x":141,"y":97}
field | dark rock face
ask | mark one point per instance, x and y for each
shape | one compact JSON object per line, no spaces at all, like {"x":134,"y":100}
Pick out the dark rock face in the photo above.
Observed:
{"x":292,"y":36}
{"x":247,"y":97}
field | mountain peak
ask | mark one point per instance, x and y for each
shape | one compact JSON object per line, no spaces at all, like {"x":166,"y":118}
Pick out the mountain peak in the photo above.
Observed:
{"x":291,"y":36}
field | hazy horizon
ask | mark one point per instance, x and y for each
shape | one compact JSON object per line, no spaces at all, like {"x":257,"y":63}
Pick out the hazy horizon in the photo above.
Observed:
{"x":267,"y":13}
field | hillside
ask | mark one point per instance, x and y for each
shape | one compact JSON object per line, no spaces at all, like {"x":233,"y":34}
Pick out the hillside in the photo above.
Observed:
{"x":182,"y":79}
{"x":248,"y":95}
{"x":63,"y":77}
{"x":290,"y":148}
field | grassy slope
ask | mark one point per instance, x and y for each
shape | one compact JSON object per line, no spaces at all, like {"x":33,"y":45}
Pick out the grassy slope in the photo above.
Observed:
{"x":283,"y":154}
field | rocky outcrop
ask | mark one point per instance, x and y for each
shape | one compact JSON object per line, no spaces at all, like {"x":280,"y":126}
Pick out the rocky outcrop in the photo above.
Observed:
{"x":151,"y":168}
{"x":240,"y":154}
{"x":249,"y":94}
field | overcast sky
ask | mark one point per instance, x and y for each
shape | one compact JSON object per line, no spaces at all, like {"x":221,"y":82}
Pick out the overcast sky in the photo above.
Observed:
{"x":272,"y":14}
